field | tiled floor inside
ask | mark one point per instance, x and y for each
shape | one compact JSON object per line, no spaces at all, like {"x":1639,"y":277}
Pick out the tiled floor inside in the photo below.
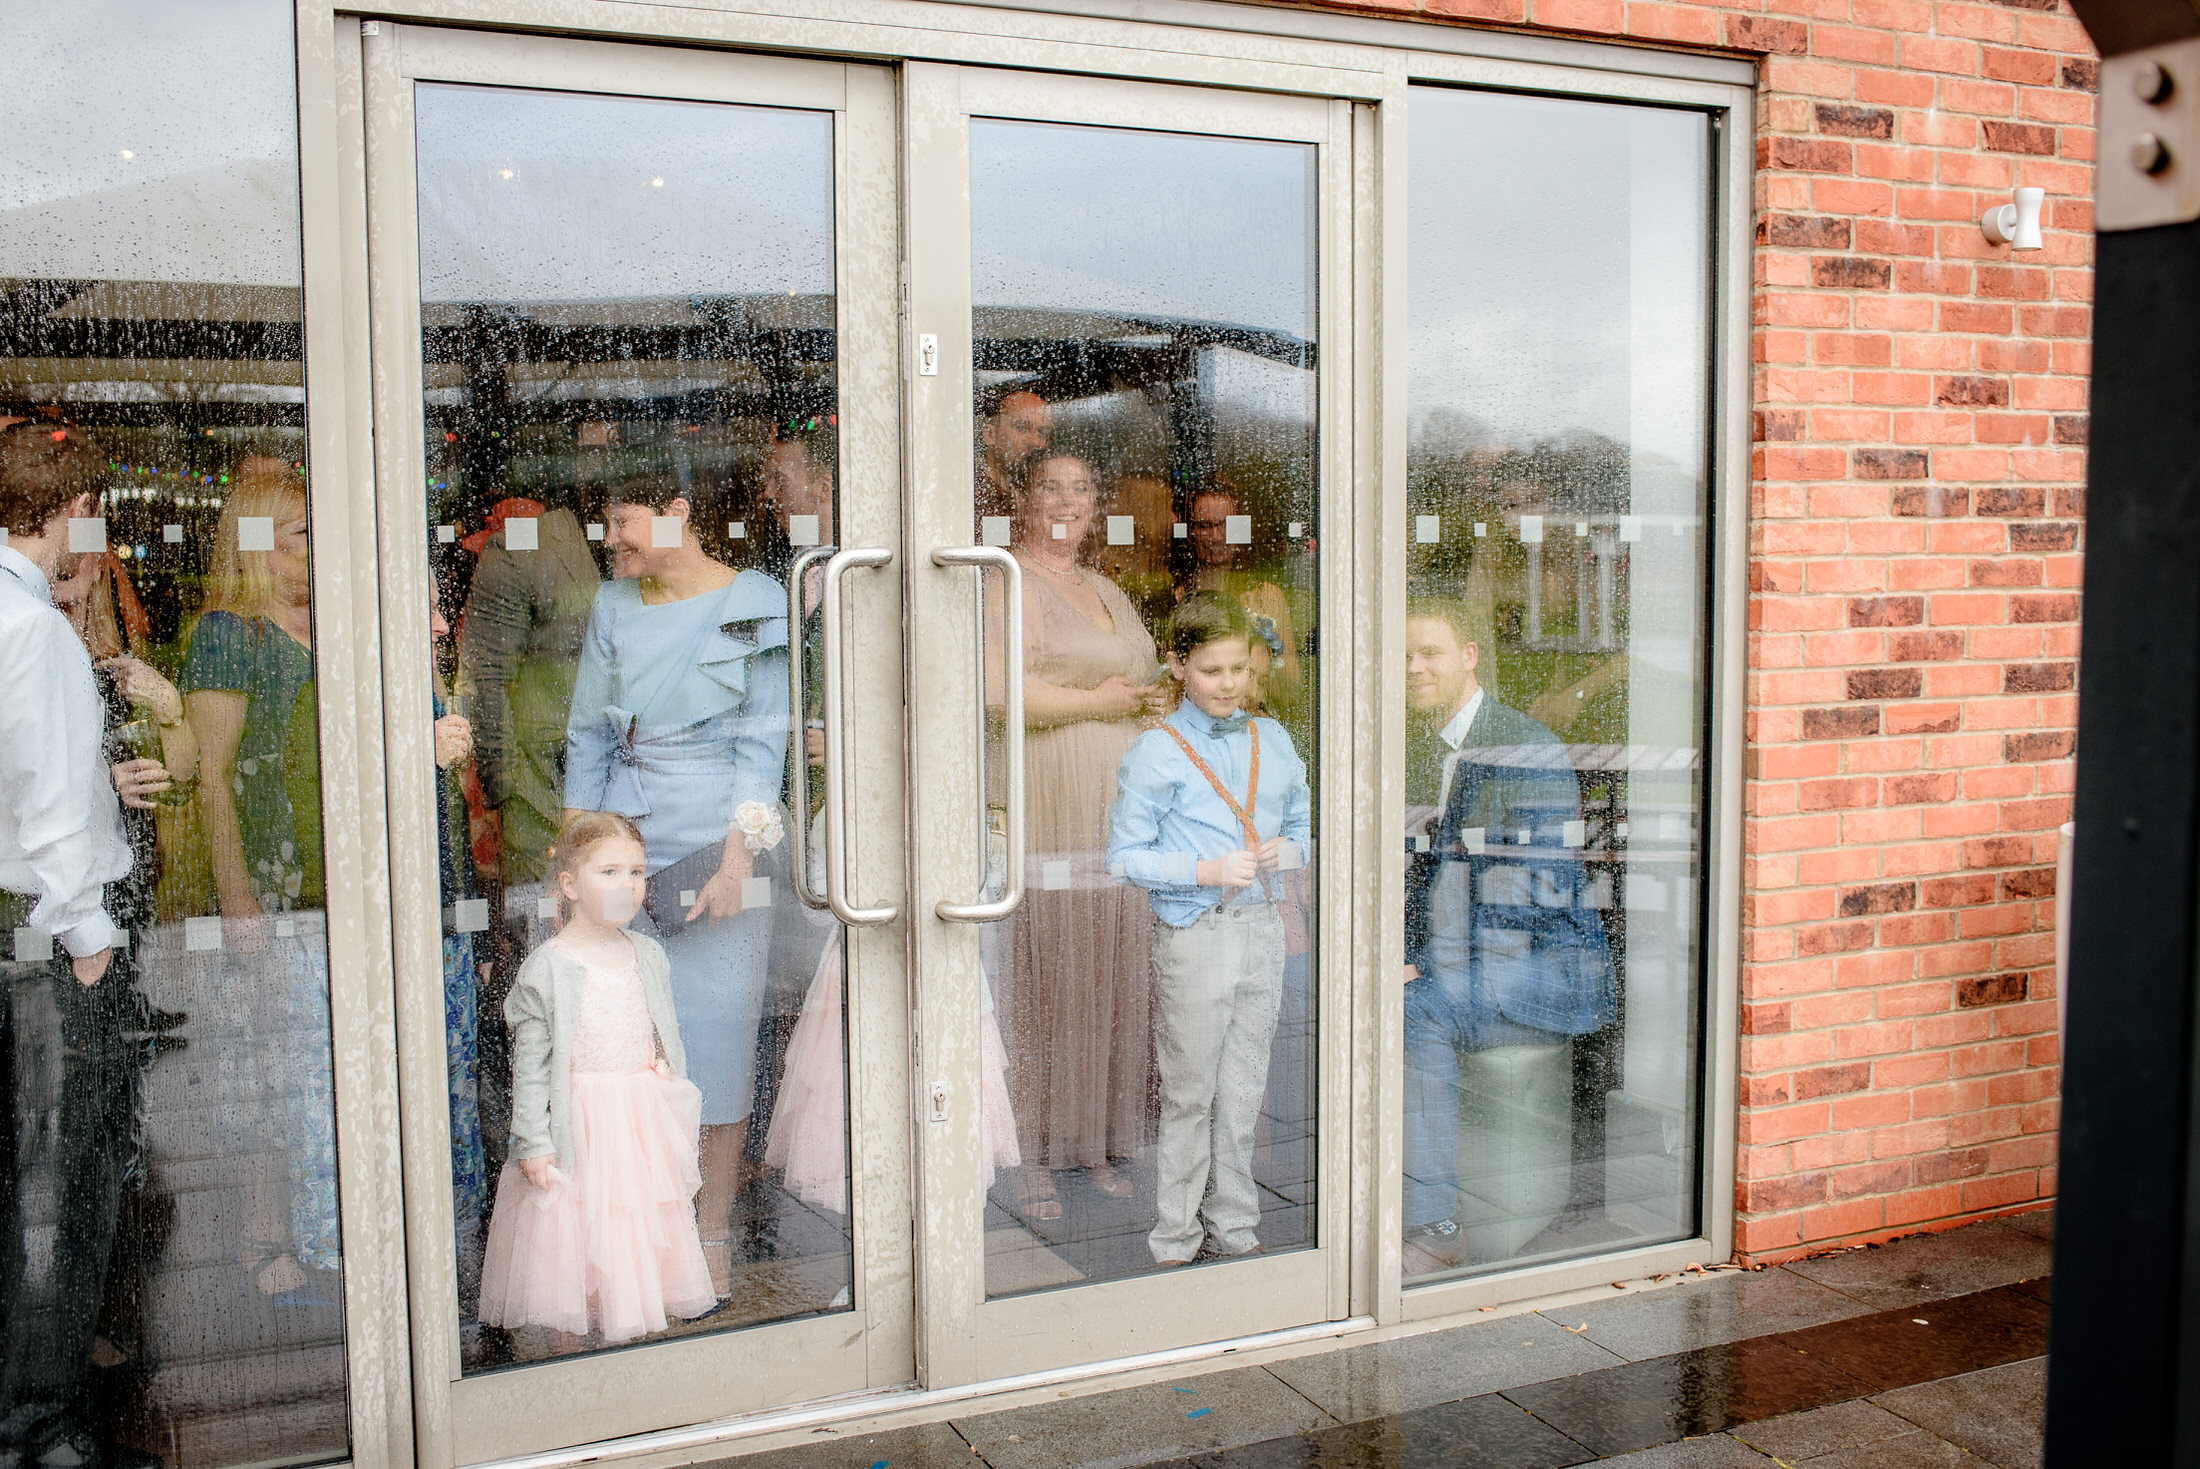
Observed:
{"x":1928,"y":1351}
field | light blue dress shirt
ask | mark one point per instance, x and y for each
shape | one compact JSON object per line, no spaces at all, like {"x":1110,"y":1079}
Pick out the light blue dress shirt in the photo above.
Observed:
{"x":1168,"y":819}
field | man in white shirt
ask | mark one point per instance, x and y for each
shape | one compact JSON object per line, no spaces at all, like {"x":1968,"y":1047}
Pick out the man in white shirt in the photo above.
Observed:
{"x":61,"y":838}
{"x":61,"y":843}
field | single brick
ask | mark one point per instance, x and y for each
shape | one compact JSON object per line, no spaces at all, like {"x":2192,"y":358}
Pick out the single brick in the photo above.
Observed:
{"x":2008,"y":500}
{"x":1879,"y":897}
{"x":1832,"y":1081}
{"x":1850,"y":273}
{"x":1810,"y":155}
{"x":1780,"y":425}
{"x":1763,"y":33}
{"x":1855,"y":122}
{"x":1889,"y":463}
{"x":1854,"y":721}
{"x":1805,"y":231}
{"x":1956,"y":1163}
{"x":1885,"y":683}
{"x":1899,"y":611}
{"x":1999,"y":989}
{"x":2033,"y":882}
{"x":2037,"y":745}
{"x":1958,"y":892}
{"x":2062,"y":607}
{"x":2070,"y":428}
{"x":1923,"y":647}
{"x":1934,"y":501}
{"x":1936,"y":789}
{"x":2039,"y":678}
{"x":2081,"y":73}
{"x":2019,"y":137}
{"x":2051,"y":537}
{"x":1972,"y":392}
{"x":1767,"y":1019}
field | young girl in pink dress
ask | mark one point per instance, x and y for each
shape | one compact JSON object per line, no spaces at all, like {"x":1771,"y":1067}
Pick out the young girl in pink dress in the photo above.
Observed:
{"x":594,"y":1229}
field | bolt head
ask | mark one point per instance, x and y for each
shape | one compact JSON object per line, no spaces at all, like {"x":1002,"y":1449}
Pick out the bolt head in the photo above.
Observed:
{"x":2151,"y":82}
{"x":2149,"y":154}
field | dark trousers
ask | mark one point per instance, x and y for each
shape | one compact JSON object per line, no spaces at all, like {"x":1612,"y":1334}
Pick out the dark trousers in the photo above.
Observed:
{"x":69,"y":1135}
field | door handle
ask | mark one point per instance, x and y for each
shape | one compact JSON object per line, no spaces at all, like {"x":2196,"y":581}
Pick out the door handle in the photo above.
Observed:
{"x":836,"y":773}
{"x":798,"y":755}
{"x":1012,"y":626}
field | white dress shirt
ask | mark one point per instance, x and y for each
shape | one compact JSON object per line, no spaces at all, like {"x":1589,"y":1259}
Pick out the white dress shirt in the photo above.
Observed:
{"x":61,"y":835}
{"x":1454,"y":734}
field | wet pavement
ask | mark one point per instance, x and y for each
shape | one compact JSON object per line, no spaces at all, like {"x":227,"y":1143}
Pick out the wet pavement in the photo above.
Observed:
{"x":1925,"y":1351}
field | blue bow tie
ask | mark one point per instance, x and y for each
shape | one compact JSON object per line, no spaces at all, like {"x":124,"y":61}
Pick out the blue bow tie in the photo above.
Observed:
{"x":1231,"y":725}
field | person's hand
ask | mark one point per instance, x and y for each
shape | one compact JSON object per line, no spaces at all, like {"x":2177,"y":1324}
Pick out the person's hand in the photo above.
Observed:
{"x":138,"y":781}
{"x":454,"y":740}
{"x":92,"y":968}
{"x":1270,"y":854}
{"x":1413,"y":972}
{"x":1157,"y":697}
{"x":813,"y":745}
{"x":143,"y":686}
{"x":1240,"y":869}
{"x":1117,"y":698}
{"x":721,"y":896}
{"x":537,"y":1170}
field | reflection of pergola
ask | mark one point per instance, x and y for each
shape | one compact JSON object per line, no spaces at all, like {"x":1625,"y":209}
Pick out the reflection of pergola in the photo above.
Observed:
{"x":1067,"y":355}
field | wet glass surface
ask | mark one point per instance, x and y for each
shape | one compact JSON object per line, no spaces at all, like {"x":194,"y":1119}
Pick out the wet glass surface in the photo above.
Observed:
{"x":628,"y":329}
{"x":170,"y":1274}
{"x":1146,"y":448}
{"x":1557,"y":476}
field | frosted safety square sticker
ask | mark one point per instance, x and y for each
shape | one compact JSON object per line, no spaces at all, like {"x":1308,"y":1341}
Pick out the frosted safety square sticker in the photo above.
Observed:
{"x":1531,"y":529}
{"x":1237,"y":530}
{"x":88,"y":533}
{"x":33,"y":946}
{"x":521,"y":533}
{"x":995,"y":531}
{"x":202,"y":933}
{"x":172,"y":534}
{"x":664,"y":530}
{"x":470,"y":915}
{"x":756,"y":892}
{"x":1054,"y":876}
{"x":1121,"y":530}
{"x":1428,"y":529}
{"x":257,"y":533}
{"x":802,"y":530}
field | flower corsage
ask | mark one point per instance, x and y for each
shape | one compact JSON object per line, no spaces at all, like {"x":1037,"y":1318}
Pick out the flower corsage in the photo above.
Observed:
{"x":759,"y":825}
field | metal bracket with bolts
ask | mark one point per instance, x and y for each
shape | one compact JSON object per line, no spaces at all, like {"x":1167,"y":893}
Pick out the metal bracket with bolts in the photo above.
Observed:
{"x":2149,"y":170}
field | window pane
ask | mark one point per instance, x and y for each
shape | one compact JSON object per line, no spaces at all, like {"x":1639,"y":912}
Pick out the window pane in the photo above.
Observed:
{"x":1555,"y":669}
{"x":170,"y":1278}
{"x":628,"y":347}
{"x":1146,"y":446}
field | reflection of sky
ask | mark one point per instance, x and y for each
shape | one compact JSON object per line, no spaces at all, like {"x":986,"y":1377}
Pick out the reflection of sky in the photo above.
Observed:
{"x":745,"y":205}
{"x":1558,"y":252}
{"x":210,"y":191}
{"x":1112,"y":219}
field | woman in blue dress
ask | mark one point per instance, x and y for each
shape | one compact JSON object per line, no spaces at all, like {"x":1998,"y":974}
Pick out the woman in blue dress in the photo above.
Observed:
{"x":679,"y":722}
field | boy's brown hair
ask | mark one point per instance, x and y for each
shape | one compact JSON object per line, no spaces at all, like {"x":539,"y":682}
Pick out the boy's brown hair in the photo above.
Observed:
{"x":44,"y":466}
{"x":1207,"y":617}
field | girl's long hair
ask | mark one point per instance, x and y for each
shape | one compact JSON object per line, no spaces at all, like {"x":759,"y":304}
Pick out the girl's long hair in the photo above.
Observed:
{"x":243,"y":582}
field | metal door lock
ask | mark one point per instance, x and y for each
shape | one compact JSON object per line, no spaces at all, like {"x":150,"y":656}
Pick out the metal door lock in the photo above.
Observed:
{"x":939,"y":1101}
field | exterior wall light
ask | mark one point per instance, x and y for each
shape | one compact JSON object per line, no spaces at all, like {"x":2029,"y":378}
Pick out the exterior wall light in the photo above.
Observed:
{"x":2015,"y":225}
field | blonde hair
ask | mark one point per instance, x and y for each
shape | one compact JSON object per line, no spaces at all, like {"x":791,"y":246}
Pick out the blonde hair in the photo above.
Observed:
{"x":583,"y":831}
{"x":242,"y":582}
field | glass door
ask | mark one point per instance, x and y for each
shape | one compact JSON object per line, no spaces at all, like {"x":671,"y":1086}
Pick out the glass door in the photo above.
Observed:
{"x":636,"y":439}
{"x":1130,"y":512}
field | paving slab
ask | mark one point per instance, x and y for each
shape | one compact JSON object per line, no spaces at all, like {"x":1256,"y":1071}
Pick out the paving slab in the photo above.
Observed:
{"x":1800,"y":1436}
{"x":1440,"y":1366}
{"x":1914,"y":1450}
{"x":1922,"y":1343}
{"x":1715,"y":1452}
{"x":926,"y":1446}
{"x":2039,"y":1223}
{"x":1999,"y":1414}
{"x":1722,"y":1307}
{"x":1138,"y":1425}
{"x":1706,"y":1391}
{"x":1931,"y":1267}
{"x":1480,"y":1433}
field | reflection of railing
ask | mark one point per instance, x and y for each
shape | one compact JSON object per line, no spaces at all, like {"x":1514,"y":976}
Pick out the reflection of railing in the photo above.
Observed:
{"x":1597,"y":591}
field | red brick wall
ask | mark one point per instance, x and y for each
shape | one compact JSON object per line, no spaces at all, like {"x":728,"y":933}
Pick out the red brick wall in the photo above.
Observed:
{"x":1916,"y":493}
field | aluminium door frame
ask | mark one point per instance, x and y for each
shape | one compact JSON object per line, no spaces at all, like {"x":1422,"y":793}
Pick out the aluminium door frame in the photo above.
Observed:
{"x":1366,"y":60}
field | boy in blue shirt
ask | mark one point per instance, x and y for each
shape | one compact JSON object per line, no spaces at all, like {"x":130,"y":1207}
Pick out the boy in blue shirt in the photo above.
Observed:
{"x":1207,"y":806}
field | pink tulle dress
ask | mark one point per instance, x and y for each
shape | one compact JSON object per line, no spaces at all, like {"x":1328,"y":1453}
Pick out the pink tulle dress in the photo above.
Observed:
{"x":809,"y":1131}
{"x":611,"y":1245}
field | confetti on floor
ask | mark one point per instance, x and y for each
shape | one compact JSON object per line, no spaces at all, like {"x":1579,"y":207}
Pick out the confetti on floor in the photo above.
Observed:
{"x":1199,"y":1412}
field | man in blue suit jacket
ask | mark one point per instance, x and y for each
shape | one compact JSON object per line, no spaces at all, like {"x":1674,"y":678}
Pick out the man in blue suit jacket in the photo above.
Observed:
{"x":1502,"y":947}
